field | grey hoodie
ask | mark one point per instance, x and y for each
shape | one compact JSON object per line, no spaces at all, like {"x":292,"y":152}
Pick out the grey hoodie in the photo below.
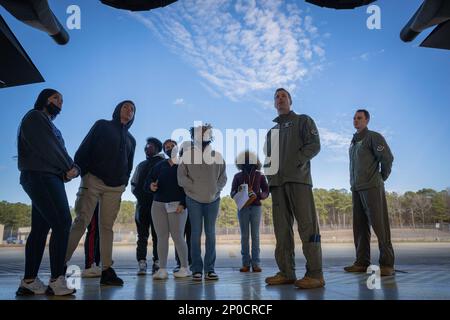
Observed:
{"x":202,"y":182}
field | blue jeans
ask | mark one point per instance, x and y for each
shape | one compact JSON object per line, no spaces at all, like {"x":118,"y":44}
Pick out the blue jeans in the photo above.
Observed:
{"x":199,"y":212}
{"x":250,"y":218}
{"x":50,"y":210}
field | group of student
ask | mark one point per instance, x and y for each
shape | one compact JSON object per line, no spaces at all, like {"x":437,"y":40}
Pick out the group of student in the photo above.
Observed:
{"x":155,"y":186}
{"x":177,"y":195}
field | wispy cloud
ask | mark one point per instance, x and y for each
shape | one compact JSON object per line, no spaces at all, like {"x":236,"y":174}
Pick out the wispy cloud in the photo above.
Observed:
{"x":366,"y":56}
{"x":241,"y":47}
{"x":336,"y":142}
{"x":179,"y":102}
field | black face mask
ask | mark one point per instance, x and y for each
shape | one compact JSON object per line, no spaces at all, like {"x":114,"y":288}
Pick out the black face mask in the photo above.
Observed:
{"x":172,"y":153}
{"x":53,"y":110}
{"x":168,"y":153}
{"x":205,"y":143}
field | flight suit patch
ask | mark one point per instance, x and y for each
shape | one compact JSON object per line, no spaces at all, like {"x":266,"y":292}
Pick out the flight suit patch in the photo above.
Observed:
{"x":380,"y":148}
{"x":314,"y":132}
{"x":287,"y":125}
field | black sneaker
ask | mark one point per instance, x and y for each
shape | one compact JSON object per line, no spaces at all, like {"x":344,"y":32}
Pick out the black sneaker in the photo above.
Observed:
{"x":110,"y":278}
{"x":211,"y":276}
{"x":197,"y":276}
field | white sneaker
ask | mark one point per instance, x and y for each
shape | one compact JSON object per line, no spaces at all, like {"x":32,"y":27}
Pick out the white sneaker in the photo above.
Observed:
{"x":142,"y":269}
{"x":93,"y":272}
{"x":29,"y":289}
{"x":161,"y":274}
{"x":155,"y":266}
{"x":59,"y":287}
{"x":182,"y":273}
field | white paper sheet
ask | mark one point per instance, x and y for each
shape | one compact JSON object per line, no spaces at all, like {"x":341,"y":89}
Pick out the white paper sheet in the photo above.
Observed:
{"x":171,"y":207}
{"x":241,"y":196}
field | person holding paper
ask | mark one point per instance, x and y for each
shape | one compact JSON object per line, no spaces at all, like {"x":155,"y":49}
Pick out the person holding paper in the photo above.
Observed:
{"x":253,"y":183}
{"x":168,"y":211}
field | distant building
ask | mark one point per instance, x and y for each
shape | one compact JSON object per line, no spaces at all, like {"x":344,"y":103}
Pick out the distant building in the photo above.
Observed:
{"x":23,"y":233}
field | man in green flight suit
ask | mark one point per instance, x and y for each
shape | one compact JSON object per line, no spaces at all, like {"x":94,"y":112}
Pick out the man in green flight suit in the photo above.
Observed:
{"x":296,"y":139}
{"x":370,"y":165}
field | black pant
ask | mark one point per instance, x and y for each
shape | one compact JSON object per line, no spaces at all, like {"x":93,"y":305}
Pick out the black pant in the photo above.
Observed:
{"x":187,"y":235}
{"x":91,"y":243}
{"x":144,"y":222}
{"x":370,"y":209}
{"x":50,"y":210}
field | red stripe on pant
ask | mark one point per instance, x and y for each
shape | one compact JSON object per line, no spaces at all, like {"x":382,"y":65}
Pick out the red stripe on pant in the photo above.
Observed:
{"x":91,"y":240}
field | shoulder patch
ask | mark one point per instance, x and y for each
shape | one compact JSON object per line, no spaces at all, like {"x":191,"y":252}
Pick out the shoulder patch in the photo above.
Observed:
{"x":380,"y":148}
{"x":314,"y":132}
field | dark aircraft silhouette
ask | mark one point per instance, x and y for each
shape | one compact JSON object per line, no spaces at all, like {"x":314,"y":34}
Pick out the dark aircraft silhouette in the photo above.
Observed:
{"x":340,"y":4}
{"x":429,"y":14}
{"x":37,"y":14}
{"x":16,"y":68}
{"x":137,"y":5}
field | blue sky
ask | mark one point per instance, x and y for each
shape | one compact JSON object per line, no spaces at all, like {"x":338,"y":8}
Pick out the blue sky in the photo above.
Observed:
{"x":220,"y":62}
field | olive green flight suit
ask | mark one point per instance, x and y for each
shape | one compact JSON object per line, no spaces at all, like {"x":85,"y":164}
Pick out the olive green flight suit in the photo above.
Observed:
{"x":292,"y":196}
{"x":370,"y":165}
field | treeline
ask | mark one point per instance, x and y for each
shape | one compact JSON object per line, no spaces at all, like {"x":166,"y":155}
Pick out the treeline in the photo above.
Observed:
{"x":411,"y":209}
{"x":334,"y":210}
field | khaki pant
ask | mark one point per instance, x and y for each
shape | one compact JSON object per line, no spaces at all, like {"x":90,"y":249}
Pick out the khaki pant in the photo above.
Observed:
{"x":92,"y":191}
{"x":289,"y":201}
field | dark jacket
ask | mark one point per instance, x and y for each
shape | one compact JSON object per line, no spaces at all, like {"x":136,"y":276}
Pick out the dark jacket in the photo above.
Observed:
{"x":168,"y":188}
{"x":370,"y":160}
{"x":141,"y":172}
{"x":298,"y":143}
{"x":41,"y":146}
{"x":107,"y":151}
{"x":256,"y":180}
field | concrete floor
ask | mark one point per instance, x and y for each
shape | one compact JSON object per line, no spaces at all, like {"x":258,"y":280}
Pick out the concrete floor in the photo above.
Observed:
{"x":423,"y":275}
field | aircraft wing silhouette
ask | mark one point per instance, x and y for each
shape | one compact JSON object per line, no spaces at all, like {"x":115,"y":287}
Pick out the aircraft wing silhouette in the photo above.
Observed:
{"x":37,"y":14}
{"x":430,"y":13}
{"x":137,"y":5}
